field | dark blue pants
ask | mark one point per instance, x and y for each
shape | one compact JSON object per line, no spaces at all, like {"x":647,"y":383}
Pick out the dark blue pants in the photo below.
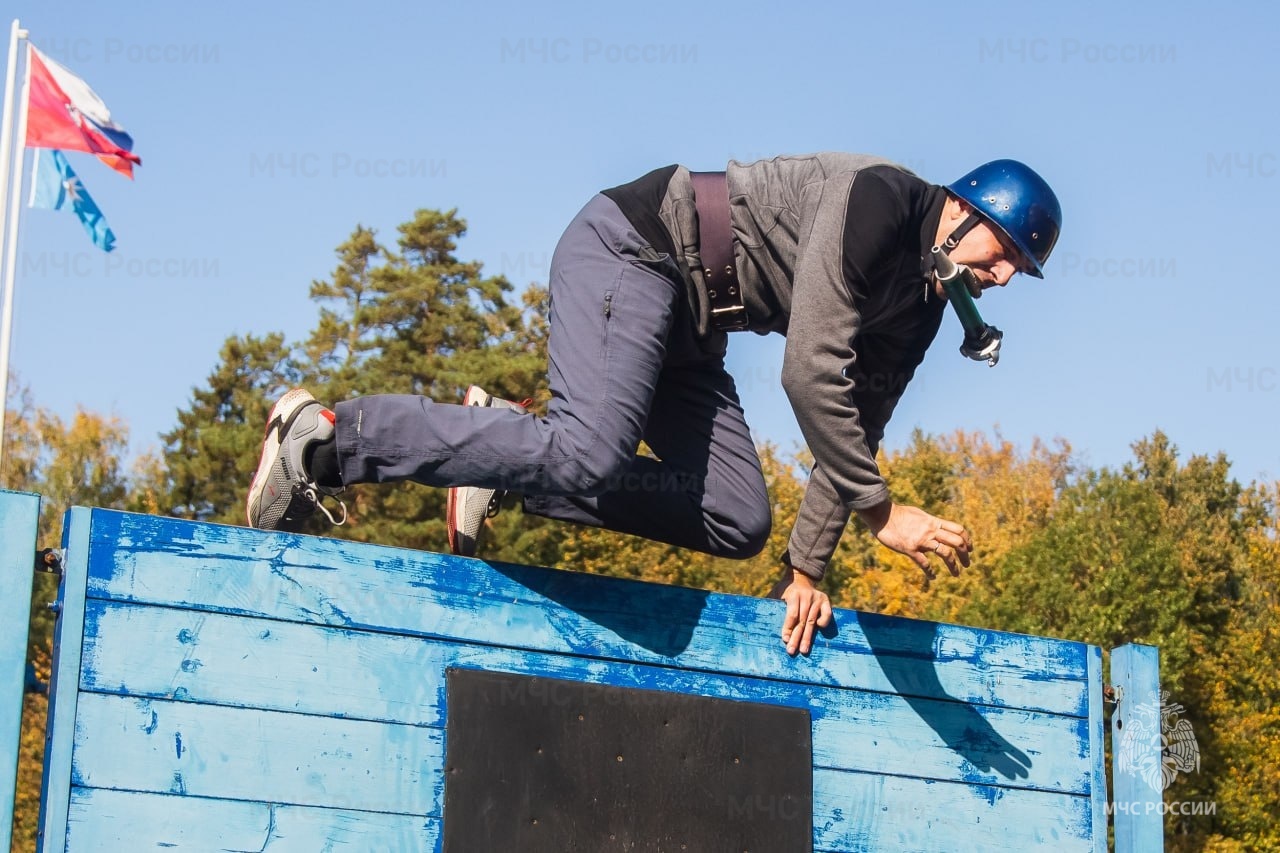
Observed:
{"x":624,"y":366}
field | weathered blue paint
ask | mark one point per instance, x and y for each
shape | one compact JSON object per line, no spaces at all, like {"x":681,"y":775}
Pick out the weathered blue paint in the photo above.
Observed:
{"x":1096,"y":746}
{"x":102,"y":819}
{"x":1139,"y":825}
{"x":19,"y":515}
{"x":362,"y":676}
{"x":858,"y":811}
{"x":218,"y":568}
{"x":238,"y":690}
{"x":55,"y":791}
{"x":258,"y":756}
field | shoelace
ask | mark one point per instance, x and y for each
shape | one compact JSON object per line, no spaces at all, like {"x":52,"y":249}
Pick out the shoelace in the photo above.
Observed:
{"x":314,"y":495}
{"x":334,"y":521}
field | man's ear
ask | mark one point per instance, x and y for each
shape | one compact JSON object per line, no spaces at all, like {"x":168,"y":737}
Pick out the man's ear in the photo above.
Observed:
{"x":955,"y":210}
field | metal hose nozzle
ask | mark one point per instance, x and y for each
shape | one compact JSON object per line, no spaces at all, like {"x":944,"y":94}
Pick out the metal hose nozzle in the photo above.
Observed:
{"x":981,"y":341}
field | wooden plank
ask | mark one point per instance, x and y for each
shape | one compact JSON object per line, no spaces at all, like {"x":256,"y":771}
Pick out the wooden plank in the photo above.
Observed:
{"x":326,"y":581}
{"x":104,"y":821}
{"x":215,"y":658}
{"x":1096,"y":749}
{"x":248,"y":754}
{"x":1137,"y":749}
{"x":19,"y":516}
{"x":863,"y":812}
{"x":55,"y":787}
{"x":230,"y":759}
{"x":321,"y":652}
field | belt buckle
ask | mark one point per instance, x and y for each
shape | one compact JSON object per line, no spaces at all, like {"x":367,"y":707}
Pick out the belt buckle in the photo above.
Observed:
{"x":728,"y":312}
{"x":730,"y":319}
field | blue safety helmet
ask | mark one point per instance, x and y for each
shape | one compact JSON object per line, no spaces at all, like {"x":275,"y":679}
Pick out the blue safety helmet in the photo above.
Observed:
{"x":1016,"y":200}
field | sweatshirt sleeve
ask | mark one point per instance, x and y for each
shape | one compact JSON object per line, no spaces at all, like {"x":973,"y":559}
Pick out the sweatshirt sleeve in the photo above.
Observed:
{"x":818,"y":528}
{"x":856,"y":229}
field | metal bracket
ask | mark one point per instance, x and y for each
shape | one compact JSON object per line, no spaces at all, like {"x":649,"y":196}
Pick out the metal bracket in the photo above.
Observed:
{"x":985,"y":347}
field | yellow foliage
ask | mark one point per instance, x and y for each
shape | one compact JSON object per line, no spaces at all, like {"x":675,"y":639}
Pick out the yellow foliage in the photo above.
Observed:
{"x":26,"y":808}
{"x":67,"y":463}
{"x":1244,"y":705}
{"x":999,"y":493}
{"x":1007,"y":497}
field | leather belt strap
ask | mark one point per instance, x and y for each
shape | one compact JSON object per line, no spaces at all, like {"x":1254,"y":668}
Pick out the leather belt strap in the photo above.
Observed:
{"x":715,"y":246}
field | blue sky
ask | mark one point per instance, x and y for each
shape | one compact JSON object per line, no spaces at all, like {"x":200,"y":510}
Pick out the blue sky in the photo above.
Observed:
{"x":268,"y":134}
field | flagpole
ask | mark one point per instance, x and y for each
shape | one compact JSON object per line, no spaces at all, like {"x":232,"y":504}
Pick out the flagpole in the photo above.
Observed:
{"x":12,"y":151}
{"x":6,"y":126}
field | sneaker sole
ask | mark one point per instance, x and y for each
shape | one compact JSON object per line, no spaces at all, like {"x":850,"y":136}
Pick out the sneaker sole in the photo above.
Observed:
{"x":475,"y":396}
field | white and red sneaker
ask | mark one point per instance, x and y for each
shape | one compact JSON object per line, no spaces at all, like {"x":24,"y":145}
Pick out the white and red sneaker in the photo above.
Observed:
{"x":468,"y":506}
{"x":283,"y":495}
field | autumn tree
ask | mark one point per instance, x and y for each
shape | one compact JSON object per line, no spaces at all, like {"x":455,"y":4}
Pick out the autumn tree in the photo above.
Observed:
{"x":219,"y":436}
{"x":405,"y":319}
{"x":80,"y":462}
{"x":1156,"y":552}
{"x":1243,"y":697}
{"x":1001,"y":493}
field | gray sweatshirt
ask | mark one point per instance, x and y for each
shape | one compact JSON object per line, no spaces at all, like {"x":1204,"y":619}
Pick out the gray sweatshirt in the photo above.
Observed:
{"x":832,"y":251}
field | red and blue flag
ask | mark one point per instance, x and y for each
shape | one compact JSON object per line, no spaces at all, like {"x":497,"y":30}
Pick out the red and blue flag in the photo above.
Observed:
{"x":63,"y":112}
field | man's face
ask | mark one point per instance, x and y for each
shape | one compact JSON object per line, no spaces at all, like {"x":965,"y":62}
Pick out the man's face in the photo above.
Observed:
{"x":991,"y":257}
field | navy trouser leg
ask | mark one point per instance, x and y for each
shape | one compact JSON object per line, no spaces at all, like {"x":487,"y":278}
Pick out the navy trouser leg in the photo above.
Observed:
{"x":609,"y":318}
{"x":613,"y":301}
{"x":704,"y":491}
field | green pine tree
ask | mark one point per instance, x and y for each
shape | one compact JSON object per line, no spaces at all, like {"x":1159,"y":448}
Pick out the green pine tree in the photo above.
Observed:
{"x":408,"y":319}
{"x":211,"y":454}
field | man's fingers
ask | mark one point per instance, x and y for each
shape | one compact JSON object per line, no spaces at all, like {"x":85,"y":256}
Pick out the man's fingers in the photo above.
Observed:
{"x":953,"y":527}
{"x":805,"y":614}
{"x":825,"y":615}
{"x":819,"y":614}
{"x":792,"y":623}
{"x":953,"y":534}
{"x":952,"y":544}
{"x":950,"y":556}
{"x":958,"y":542}
{"x":923,"y":563}
{"x":806,"y":639}
{"x":791,"y":618}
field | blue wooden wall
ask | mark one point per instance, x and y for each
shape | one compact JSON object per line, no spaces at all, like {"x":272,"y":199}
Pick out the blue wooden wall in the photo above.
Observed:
{"x":19,"y":514}
{"x":222,"y":688}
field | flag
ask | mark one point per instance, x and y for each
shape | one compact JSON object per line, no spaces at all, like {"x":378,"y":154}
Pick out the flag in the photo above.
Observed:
{"x":63,"y":112}
{"x":55,"y":186}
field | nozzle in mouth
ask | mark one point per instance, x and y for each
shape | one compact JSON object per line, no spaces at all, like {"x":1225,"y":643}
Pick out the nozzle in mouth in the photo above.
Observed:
{"x":981,"y":341}
{"x":948,"y":270}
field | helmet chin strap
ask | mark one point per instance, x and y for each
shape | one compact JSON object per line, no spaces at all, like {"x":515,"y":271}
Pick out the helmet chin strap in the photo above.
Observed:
{"x":953,"y":239}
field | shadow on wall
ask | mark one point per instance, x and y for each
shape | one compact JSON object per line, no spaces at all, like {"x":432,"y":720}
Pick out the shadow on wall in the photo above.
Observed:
{"x":662,"y":620}
{"x":905,"y":652}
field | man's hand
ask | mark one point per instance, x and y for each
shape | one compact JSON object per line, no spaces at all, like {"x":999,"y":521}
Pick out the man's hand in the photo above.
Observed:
{"x":918,"y":534}
{"x":807,"y":607}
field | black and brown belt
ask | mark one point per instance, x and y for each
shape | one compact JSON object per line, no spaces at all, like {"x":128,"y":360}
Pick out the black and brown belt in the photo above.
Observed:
{"x":715,"y":246}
